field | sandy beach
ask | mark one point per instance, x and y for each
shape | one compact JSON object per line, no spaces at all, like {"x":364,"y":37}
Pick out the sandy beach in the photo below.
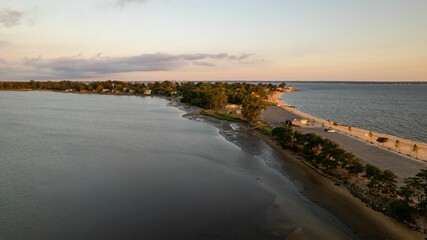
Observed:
{"x":405,"y":147}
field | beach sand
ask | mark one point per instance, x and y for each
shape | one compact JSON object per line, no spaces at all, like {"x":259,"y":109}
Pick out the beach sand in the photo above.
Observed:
{"x":405,"y":147}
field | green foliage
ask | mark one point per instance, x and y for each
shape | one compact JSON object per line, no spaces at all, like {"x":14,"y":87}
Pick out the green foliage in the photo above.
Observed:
{"x":397,"y":144}
{"x":282,"y":85}
{"x":380,"y":181}
{"x":220,"y":116}
{"x":320,"y":152}
{"x":382,"y":140}
{"x":415,"y":149}
{"x":401,"y":210}
{"x":415,"y":191}
{"x":355,"y":166}
{"x":370,"y":134}
{"x":267,"y":130}
{"x":372,"y":172}
{"x":252,"y":108}
{"x":284,"y":136}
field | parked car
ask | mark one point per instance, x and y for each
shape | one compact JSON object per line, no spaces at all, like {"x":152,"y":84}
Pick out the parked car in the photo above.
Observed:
{"x":329,"y":130}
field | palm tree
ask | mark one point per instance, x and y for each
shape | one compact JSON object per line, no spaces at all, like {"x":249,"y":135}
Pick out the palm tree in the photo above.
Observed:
{"x":370,"y":134}
{"x":415,"y":149}
{"x":397,"y":145}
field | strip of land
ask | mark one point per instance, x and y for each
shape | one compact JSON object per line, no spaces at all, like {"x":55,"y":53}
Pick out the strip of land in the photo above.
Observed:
{"x":382,"y":157}
{"x":361,"y":219}
{"x":364,"y":221}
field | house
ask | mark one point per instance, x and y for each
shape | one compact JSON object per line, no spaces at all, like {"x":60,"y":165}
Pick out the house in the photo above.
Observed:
{"x":131,"y":91}
{"x":147,"y":92}
{"x":299,"y":122}
{"x":105,"y":90}
{"x":231,"y":106}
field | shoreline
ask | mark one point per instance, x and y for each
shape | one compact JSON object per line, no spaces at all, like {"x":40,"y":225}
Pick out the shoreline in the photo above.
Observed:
{"x":320,"y":189}
{"x":349,"y":209}
{"x":405,"y":148}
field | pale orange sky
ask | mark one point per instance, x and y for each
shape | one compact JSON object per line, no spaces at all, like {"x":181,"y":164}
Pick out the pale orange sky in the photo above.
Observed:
{"x":364,"y":40}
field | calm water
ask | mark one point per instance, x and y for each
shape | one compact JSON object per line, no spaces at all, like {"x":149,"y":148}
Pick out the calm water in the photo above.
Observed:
{"x":110,"y":167}
{"x":398,"y":110}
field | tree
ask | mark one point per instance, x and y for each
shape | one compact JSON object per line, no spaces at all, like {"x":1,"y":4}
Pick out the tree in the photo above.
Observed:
{"x":401,"y":210}
{"x":374,"y":175}
{"x":388,"y":181}
{"x":415,"y":149}
{"x":217,"y":98}
{"x":379,"y":180}
{"x":119,"y":87}
{"x":370,"y":134}
{"x":284,"y":136}
{"x":397,"y":145}
{"x":252,"y":108}
{"x":355,"y":166}
{"x":382,"y":140}
{"x":415,"y":191}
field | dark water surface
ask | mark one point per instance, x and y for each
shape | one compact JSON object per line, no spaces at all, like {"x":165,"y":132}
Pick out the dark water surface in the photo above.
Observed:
{"x":119,"y":167}
{"x":395,"y":109}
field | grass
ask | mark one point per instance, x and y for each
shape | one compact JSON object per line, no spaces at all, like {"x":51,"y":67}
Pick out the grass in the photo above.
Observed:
{"x":266,"y":129}
{"x":221,"y":116}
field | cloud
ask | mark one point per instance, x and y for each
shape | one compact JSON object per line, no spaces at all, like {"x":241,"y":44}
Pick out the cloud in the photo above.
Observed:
{"x":123,"y":3}
{"x":10,"y":18}
{"x":79,"y":67}
{"x":205,"y":64}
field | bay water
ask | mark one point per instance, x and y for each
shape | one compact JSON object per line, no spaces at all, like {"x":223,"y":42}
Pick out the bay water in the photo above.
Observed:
{"x":394,"y":109}
{"x":86,"y":166}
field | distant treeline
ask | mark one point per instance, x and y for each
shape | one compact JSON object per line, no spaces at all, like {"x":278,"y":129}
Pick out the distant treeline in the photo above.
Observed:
{"x":374,"y":186}
{"x":95,"y":87}
{"x":202,"y":94}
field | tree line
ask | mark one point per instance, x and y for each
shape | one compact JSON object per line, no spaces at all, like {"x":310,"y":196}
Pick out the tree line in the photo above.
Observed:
{"x":206,"y":95}
{"x":406,"y":203}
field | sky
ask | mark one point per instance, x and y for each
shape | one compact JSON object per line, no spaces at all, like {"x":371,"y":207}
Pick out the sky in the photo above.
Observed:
{"x":141,"y":40}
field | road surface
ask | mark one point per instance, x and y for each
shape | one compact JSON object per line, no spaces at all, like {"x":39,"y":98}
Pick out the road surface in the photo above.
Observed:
{"x":403,"y":166}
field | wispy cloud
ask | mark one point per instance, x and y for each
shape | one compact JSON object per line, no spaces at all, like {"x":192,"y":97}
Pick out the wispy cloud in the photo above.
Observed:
{"x":98,"y":66}
{"x":123,"y":3}
{"x":9,"y":18}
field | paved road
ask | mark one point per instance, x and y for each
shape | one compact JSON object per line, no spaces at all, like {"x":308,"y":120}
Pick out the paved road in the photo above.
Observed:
{"x":402,"y":165}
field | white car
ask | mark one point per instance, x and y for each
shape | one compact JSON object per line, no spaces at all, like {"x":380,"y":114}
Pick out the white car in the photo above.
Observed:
{"x":330,"y":130}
